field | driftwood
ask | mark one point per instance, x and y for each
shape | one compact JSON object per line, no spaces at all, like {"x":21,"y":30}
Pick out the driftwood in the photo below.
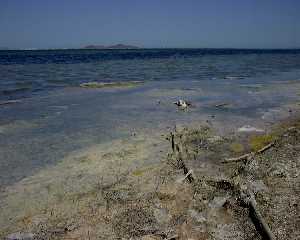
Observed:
{"x":9,"y":102}
{"x":248,"y":155}
{"x":256,"y":217}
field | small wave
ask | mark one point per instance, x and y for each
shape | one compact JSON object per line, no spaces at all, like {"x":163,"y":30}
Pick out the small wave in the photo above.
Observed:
{"x":234,"y":77}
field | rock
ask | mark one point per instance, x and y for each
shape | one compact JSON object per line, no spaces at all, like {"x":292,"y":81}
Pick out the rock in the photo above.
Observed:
{"x":20,"y":236}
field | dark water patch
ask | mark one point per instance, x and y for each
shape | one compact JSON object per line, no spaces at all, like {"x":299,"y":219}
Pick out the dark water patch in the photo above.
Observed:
{"x":83,"y":55}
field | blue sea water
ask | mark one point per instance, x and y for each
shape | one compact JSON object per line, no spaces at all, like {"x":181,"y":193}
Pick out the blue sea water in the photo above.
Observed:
{"x":55,"y":116}
{"x":25,"y":73}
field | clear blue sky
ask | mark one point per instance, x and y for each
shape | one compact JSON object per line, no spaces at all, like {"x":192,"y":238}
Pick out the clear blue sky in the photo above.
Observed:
{"x":150,"y":23}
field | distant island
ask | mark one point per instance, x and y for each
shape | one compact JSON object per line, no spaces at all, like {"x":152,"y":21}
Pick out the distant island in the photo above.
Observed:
{"x":116,"y":46}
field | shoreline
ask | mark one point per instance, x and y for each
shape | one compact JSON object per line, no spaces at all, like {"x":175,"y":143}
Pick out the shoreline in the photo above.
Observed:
{"x":74,"y":195}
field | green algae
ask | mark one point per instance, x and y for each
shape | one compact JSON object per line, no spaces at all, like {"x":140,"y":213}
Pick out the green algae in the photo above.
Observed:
{"x":259,"y":141}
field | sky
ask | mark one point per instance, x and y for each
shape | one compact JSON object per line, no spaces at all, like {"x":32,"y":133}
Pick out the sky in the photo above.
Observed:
{"x":150,"y":23}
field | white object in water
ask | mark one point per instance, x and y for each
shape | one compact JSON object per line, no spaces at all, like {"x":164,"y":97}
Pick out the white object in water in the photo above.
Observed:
{"x":181,"y":103}
{"x":248,"y":128}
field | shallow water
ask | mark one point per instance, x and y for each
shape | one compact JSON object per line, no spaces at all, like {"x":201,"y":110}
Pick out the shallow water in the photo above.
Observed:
{"x":55,"y":117}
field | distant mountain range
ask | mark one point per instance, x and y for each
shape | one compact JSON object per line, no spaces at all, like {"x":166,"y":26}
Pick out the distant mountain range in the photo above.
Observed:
{"x":116,"y":46}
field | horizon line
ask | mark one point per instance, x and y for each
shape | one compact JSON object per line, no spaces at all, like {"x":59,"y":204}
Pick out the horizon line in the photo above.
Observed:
{"x":144,"y":48}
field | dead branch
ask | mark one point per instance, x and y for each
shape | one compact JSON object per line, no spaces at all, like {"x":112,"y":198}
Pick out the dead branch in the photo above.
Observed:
{"x":237,"y":159}
{"x":266,"y":147}
{"x":248,"y":155}
{"x":256,"y":217}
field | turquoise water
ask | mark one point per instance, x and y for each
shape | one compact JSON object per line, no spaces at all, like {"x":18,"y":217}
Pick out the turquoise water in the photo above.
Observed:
{"x":56,"y":117}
